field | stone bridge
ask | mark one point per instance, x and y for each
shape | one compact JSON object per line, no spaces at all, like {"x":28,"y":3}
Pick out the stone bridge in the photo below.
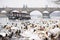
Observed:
{"x":50,"y":10}
{"x":29,"y":10}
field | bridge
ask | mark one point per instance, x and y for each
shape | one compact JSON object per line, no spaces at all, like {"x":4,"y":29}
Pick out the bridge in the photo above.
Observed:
{"x":29,"y":10}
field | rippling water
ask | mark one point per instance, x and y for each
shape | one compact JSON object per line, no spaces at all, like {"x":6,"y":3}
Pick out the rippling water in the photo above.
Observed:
{"x":4,"y":20}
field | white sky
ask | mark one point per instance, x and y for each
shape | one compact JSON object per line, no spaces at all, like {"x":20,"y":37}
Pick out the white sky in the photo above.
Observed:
{"x":30,"y":3}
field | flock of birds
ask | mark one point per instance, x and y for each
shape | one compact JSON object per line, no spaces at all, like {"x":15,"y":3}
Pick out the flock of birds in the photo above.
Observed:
{"x":23,"y":30}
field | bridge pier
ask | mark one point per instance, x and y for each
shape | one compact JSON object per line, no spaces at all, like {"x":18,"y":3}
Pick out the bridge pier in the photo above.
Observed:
{"x":46,"y":15}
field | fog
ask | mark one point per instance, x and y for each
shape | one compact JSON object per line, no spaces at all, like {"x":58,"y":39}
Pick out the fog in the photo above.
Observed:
{"x":30,"y":3}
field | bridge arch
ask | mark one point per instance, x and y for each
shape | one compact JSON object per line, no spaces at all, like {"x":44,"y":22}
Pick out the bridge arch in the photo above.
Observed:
{"x":3,"y":11}
{"x":55,"y":14}
{"x":16,"y":11}
{"x":46,"y":14}
{"x":35,"y":14}
{"x":24,"y":12}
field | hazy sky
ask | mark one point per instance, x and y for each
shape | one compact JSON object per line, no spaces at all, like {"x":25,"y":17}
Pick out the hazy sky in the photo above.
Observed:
{"x":30,"y":3}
